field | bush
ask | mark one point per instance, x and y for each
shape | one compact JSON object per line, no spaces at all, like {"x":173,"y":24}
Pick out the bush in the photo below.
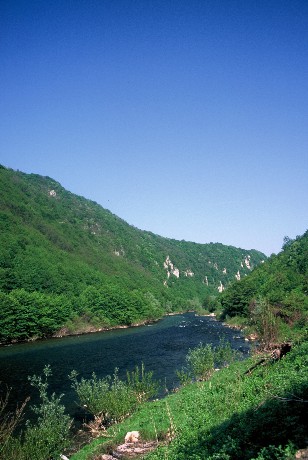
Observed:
{"x":265,"y":322}
{"x":49,"y":436}
{"x":110,"y":398}
{"x":224,"y":354}
{"x":202,"y":359}
{"x":142,"y":383}
{"x":8,"y":421}
{"x":277,"y":453}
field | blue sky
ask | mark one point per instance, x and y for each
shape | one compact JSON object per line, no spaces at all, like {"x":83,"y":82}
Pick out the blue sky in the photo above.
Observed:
{"x":185,"y":118}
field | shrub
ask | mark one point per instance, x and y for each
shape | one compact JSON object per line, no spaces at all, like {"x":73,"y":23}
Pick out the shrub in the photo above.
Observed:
{"x":200,"y":361}
{"x":224,"y":354}
{"x":8,"y":421}
{"x":142,"y":383}
{"x":265,"y":322}
{"x":110,"y":398}
{"x":277,"y":453}
{"x":49,"y":435}
{"x":184,"y":376}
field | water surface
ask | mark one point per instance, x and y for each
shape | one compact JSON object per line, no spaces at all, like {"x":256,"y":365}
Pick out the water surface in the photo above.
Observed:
{"x":162,"y":348}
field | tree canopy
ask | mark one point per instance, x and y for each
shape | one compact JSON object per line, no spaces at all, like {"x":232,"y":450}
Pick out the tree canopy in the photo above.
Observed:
{"x":66,"y":261}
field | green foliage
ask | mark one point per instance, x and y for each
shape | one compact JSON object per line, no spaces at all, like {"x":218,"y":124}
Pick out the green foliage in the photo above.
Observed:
{"x":277,"y":453}
{"x":65,"y":262}
{"x":8,"y":422}
{"x":48,"y":436}
{"x":274,"y":296}
{"x":142,"y":383}
{"x":184,"y":376}
{"x":31,"y":314}
{"x":235,"y":300}
{"x":202,"y":359}
{"x":224,"y":354}
{"x":265,"y":322}
{"x":211,"y":303}
{"x":110,"y":398}
{"x":234,"y":415}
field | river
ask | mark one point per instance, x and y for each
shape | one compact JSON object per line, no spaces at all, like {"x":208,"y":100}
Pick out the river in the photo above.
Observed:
{"x":161,"y":346}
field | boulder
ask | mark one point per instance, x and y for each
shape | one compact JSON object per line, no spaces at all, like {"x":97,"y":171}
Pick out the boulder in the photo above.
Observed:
{"x":132,"y":437}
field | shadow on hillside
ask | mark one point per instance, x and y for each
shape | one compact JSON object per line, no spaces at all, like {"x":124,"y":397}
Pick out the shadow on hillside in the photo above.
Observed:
{"x":275,"y":422}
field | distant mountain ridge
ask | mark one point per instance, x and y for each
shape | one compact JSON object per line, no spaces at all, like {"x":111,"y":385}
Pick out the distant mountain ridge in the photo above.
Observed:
{"x":60,"y":245}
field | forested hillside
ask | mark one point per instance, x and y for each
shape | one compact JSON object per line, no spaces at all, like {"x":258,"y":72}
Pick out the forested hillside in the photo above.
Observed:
{"x":273,"y":298}
{"x":67,"y":264}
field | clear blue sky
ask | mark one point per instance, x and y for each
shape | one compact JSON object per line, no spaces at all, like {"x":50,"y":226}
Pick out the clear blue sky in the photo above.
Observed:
{"x":185,"y":118}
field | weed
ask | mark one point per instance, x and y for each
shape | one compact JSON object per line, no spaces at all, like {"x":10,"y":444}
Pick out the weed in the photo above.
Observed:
{"x":49,"y":435}
{"x":142,"y":383}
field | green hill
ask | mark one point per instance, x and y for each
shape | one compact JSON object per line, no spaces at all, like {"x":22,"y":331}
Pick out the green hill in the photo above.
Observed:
{"x":253,"y":409}
{"x":273,"y":298}
{"x":67,"y":264}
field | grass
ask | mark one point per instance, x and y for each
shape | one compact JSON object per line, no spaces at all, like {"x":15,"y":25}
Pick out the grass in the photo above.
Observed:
{"x":232,"y":416}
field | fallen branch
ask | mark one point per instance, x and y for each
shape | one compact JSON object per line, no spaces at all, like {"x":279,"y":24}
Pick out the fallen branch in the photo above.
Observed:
{"x":277,"y":353}
{"x":255,"y":365}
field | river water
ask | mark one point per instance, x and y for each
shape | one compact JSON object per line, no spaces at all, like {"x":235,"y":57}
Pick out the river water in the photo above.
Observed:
{"x":161,"y":346}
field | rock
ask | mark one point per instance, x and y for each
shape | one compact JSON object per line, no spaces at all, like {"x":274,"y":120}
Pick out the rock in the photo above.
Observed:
{"x":132,"y":437}
{"x":302,"y":454}
{"x":130,"y":450}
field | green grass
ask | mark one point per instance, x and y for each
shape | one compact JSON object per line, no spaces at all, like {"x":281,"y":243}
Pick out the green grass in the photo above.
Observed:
{"x":232,"y":416}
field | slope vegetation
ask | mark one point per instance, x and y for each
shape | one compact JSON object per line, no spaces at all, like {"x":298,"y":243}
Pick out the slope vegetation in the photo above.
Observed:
{"x":67,"y":264}
{"x":273,"y":298}
{"x":257,"y":415}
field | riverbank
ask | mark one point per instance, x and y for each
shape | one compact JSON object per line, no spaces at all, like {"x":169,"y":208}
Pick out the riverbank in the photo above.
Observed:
{"x":86,"y":328}
{"x":65,"y":332}
{"x":155,"y":344}
{"x":83,"y":330}
{"x":219,"y":418}
{"x":237,"y":324}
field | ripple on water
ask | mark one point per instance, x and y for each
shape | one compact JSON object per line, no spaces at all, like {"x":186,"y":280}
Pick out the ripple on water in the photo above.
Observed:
{"x":161,"y":346}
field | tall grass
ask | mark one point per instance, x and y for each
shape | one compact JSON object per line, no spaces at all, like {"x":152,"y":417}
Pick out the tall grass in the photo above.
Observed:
{"x":110,"y":399}
{"x":234,"y":415}
{"x":43,"y":439}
